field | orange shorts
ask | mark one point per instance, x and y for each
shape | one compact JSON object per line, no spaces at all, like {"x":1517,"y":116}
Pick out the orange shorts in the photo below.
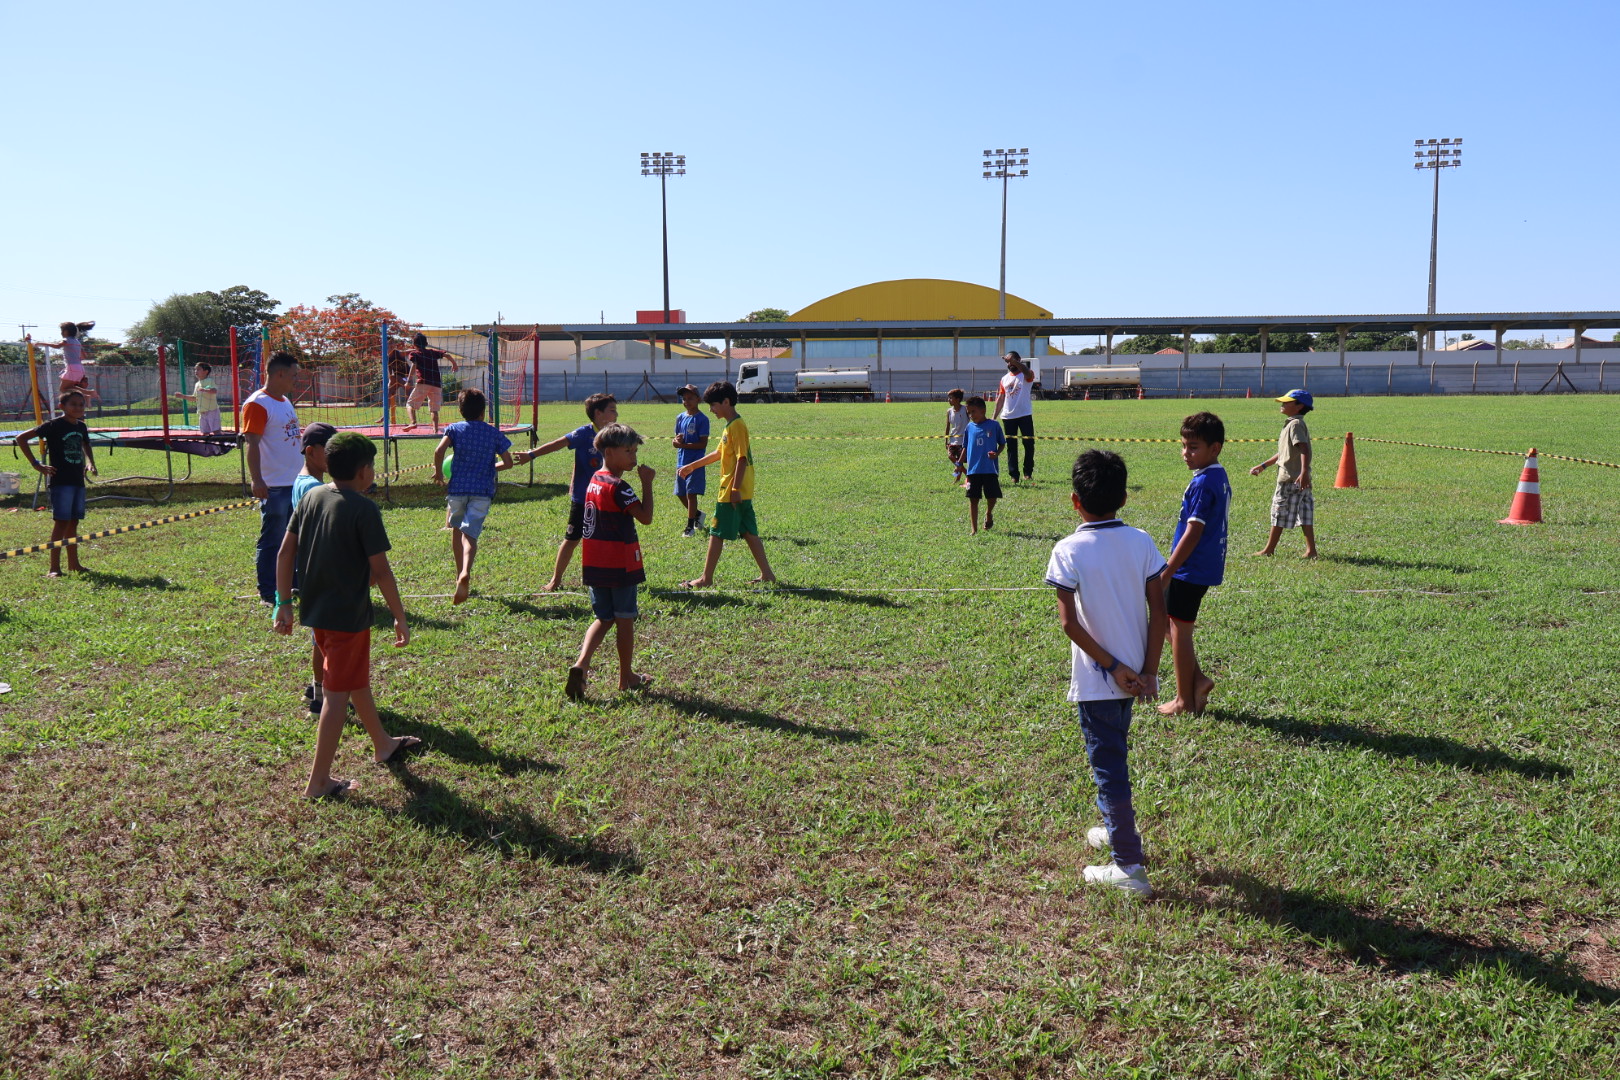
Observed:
{"x":347,"y":660}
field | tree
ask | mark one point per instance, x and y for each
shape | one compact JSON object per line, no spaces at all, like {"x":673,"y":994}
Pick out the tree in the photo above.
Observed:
{"x":764,"y":314}
{"x":1143,"y":344}
{"x":1516,"y":343}
{"x":1374,"y":341}
{"x":347,"y":333}
{"x":205,"y":318}
{"x":1281,"y":341}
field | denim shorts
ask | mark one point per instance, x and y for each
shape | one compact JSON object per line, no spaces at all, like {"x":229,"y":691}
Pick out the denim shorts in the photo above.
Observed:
{"x":467,"y":513}
{"x":696,"y":484}
{"x":67,"y":503}
{"x":609,"y":604}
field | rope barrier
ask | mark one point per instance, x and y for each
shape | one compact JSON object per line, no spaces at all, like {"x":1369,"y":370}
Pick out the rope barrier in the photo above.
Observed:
{"x":1476,"y":450}
{"x":1038,"y":438}
{"x":33,"y":549}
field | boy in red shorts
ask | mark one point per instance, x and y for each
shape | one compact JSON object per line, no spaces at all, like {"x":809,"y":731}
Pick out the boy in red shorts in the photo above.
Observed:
{"x":336,"y":540}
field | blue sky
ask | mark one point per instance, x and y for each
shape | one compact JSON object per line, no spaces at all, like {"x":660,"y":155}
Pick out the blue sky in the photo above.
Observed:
{"x":457,"y":161}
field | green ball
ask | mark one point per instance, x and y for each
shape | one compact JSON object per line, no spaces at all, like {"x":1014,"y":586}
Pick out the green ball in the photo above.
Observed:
{"x":448,"y":458}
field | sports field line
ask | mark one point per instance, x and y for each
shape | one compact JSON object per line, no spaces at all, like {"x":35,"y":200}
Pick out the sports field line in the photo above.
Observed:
{"x":33,"y":549}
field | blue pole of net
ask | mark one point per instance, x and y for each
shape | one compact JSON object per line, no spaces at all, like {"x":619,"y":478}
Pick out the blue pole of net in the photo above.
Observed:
{"x":387,"y":412}
{"x":495,"y":376}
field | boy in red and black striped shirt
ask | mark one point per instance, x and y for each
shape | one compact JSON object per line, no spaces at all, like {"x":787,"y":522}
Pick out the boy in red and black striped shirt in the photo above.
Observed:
{"x":610,"y":559}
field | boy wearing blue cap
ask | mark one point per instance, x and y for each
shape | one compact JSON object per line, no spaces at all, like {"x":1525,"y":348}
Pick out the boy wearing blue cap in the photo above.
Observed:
{"x":1293,"y":503}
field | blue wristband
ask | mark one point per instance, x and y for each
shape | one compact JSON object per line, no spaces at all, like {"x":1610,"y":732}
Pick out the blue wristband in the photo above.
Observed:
{"x":1109,"y":670}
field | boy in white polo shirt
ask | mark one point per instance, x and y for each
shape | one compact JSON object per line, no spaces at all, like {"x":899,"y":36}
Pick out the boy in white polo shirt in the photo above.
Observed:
{"x":273,"y":446}
{"x":1111,"y":608}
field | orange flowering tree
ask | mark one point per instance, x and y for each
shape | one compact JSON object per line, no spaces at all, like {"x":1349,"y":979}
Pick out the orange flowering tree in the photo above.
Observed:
{"x":346,"y":334}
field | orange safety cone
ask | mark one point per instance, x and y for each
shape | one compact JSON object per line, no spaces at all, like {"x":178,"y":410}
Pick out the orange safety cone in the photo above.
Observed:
{"x":1088,"y":396}
{"x":1347,"y":464}
{"x":1141,"y":391}
{"x":1527,"y":500}
{"x":887,"y":397}
{"x":1248,"y":392}
{"x":818,"y":397}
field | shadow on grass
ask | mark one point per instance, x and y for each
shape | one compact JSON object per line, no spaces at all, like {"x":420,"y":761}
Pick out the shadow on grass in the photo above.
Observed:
{"x":842,"y":596}
{"x":695,"y":598}
{"x":508,"y":831}
{"x":382,"y":619}
{"x":462,"y":745}
{"x":704,"y":708}
{"x":1387,"y":563}
{"x":100,"y":579}
{"x":1380,"y":942}
{"x":1418,"y":747}
{"x":796,"y":541}
{"x":1049,"y":538}
{"x":571,"y":611}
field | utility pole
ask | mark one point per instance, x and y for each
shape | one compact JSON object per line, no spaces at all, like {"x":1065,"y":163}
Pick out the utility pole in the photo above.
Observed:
{"x":663,"y":165}
{"x":1435,"y":154}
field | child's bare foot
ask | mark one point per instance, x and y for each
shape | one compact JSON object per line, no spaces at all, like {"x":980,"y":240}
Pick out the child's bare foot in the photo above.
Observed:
{"x":973,"y":531}
{"x":54,"y":573}
{"x":463,"y":587}
{"x":1205,"y":687}
{"x":551,"y":586}
{"x":335,"y":789}
{"x":402,"y":746}
{"x":696,"y":583}
{"x":637,"y":682}
{"x":1310,"y":554}
{"x":763,"y":580}
{"x":1174,"y":707}
{"x":1262,"y":551}
{"x":574,"y":688}
{"x":989,"y":521}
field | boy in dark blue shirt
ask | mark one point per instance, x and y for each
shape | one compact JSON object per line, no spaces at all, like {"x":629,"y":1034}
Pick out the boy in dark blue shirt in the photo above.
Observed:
{"x":691,"y":444}
{"x":1198,"y":555}
{"x":984,"y":441}
{"x":601,"y":410}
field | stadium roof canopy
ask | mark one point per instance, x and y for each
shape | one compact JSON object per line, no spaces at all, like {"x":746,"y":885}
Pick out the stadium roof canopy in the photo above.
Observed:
{"x":1063,"y":327}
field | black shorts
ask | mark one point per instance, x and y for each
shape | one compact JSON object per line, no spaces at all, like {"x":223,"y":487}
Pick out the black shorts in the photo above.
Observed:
{"x":956,"y":452}
{"x":576,"y":522}
{"x":1182,"y":599}
{"x":984,"y":485}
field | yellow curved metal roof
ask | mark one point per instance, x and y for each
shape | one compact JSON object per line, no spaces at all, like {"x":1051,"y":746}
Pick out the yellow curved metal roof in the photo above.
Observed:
{"x":916,"y":298}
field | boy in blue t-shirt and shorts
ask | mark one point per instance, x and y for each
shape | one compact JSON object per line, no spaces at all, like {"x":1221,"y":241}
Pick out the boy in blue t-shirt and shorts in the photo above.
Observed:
{"x":601,"y":410}
{"x":691,"y":440}
{"x":1197,"y":556}
{"x":471,"y":490}
{"x":984,"y":441}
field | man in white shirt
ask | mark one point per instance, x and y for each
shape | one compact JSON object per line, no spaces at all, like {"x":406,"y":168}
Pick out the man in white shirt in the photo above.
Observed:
{"x":1014,"y":411}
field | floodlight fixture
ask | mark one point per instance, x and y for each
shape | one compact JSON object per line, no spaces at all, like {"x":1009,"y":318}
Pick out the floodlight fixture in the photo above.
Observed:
{"x":1003,"y":165}
{"x":664,"y":164}
{"x":1436,"y":154}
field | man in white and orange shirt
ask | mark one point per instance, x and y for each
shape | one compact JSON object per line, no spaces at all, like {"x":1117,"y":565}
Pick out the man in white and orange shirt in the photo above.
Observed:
{"x":275,"y":456}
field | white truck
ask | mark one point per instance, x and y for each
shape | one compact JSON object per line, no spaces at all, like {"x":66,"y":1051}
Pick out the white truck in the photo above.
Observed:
{"x":1112,"y":381}
{"x":847,"y":384}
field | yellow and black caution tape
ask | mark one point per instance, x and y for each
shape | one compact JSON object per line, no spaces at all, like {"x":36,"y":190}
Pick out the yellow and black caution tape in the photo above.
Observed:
{"x":1476,"y":450}
{"x":32,"y":549}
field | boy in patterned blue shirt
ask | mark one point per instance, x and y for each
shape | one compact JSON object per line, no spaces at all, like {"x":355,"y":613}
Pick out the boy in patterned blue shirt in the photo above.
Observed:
{"x":1198,"y":555}
{"x":471,"y":490}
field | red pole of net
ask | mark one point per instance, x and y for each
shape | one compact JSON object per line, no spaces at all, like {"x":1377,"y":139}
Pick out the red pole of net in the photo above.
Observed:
{"x":163,"y":387}
{"x":534,"y":412}
{"x":236,"y":386}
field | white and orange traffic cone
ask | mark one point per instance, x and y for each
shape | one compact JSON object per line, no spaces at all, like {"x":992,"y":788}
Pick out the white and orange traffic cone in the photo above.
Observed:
{"x":1141,"y":392}
{"x":1248,"y":392}
{"x":1527,"y":500}
{"x":818,"y":397}
{"x":1087,"y":397}
{"x":1348,"y":478}
{"x":887,"y":397}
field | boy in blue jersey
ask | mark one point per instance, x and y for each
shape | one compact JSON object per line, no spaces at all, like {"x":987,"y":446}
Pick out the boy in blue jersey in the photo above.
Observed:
{"x":691,"y":442}
{"x":984,"y":440}
{"x":480,"y":451}
{"x":601,"y":410}
{"x":1198,"y":555}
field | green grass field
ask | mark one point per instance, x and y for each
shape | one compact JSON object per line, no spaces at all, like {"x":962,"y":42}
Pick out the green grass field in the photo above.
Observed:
{"x":844,"y":834}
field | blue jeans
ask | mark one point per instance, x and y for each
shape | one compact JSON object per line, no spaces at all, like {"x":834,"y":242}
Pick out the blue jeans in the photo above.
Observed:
{"x":274,"y":513}
{"x":1107,"y":726}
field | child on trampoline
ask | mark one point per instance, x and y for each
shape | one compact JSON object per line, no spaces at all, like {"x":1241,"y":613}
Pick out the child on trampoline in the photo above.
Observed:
{"x":610,"y":561}
{"x":206,"y":397}
{"x":67,"y":451}
{"x":72,"y":346}
{"x":337,"y":543}
{"x":601,"y":410}
{"x":429,"y":380}
{"x":480,"y":451}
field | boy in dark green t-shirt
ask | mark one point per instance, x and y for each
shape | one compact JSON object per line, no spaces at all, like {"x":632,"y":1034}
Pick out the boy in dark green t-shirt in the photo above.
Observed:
{"x":336,"y":540}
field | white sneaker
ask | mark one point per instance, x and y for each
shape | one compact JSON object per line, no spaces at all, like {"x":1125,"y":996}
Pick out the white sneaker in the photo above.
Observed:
{"x":702,"y":524}
{"x":1097,"y":836}
{"x":1134,"y":882}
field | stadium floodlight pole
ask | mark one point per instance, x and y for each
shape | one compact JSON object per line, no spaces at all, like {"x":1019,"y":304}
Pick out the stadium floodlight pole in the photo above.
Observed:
{"x":663,"y":165}
{"x":1435,"y":154}
{"x":1004,"y":165}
